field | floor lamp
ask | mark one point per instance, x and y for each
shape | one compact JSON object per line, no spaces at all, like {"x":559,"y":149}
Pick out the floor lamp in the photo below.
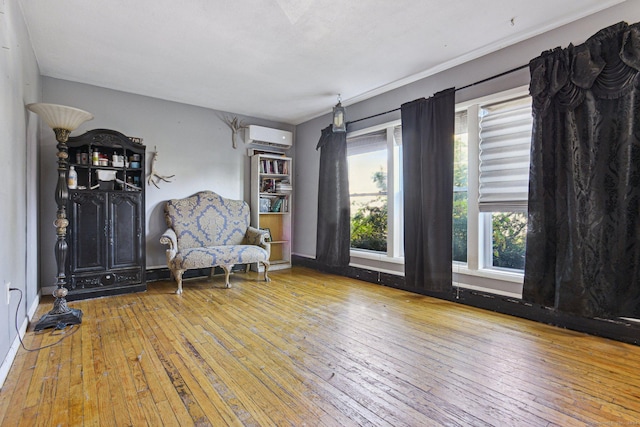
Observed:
{"x":63,"y":120}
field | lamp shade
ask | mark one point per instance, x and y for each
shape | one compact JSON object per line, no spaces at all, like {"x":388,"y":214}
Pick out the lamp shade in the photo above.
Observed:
{"x":60,"y":116}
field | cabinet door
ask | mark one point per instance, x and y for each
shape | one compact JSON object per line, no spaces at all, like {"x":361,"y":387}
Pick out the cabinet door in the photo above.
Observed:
{"x":88,"y":232}
{"x":126,"y":225}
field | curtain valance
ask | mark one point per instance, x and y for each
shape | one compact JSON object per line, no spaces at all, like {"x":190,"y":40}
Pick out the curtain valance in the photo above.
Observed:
{"x":608,"y":64}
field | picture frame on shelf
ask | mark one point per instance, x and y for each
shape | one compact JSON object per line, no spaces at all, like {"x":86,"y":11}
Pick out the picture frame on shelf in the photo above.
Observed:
{"x":268,"y":238}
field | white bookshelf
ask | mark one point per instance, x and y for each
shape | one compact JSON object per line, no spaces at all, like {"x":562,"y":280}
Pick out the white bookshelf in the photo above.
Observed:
{"x":271,"y":203}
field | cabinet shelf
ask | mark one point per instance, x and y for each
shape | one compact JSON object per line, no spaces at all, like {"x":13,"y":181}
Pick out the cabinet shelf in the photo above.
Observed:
{"x":108,"y":168}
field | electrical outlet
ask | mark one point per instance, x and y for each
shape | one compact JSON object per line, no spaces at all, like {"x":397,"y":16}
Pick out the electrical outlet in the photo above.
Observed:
{"x":8,"y":285}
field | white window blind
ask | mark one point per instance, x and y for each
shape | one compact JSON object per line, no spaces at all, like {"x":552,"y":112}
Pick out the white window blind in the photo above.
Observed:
{"x":505,"y":141}
{"x":397,"y":135}
{"x":367,"y":143}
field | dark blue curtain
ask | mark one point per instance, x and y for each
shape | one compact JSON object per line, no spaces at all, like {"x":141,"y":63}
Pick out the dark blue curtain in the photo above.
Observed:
{"x":427,"y":161}
{"x":333,"y":233}
{"x":583,"y":241}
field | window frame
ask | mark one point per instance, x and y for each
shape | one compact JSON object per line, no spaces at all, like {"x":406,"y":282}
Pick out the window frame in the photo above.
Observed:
{"x":475,"y":274}
{"x":479,"y":266}
{"x":391,"y":261}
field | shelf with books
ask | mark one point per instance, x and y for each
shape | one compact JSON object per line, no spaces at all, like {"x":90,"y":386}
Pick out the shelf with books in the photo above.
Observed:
{"x":274,"y":203}
{"x":274,"y":165}
{"x":271,"y":203}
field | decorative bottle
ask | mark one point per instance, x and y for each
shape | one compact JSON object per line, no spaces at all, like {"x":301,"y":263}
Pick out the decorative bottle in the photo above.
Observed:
{"x":72,"y":178}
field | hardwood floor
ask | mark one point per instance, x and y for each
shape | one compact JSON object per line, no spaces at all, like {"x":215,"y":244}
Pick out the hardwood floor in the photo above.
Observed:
{"x":313,"y":349}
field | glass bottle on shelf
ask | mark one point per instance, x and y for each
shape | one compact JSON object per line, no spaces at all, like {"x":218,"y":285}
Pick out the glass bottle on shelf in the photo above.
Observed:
{"x":72,"y":178}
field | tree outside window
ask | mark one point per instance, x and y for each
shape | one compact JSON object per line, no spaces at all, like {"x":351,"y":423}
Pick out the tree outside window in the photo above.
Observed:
{"x":369,"y":219}
{"x":375,"y":181}
{"x":460,"y":183}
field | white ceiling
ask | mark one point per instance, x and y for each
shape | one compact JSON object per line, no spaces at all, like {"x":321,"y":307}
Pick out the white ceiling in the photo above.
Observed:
{"x":282,"y":60}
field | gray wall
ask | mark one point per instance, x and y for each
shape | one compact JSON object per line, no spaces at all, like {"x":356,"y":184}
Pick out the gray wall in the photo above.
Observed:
{"x":19,"y":85}
{"x":193,"y":143}
{"x":308,"y":133}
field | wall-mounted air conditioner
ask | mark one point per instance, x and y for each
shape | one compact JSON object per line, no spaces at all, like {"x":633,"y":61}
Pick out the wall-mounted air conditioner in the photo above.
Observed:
{"x":260,"y":135}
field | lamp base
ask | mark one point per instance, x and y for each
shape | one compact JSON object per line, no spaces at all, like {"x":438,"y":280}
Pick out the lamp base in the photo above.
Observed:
{"x":70,"y":316}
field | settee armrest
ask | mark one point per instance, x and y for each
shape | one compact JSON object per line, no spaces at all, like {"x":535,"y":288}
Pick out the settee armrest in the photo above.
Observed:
{"x":255,"y":236}
{"x":170,"y":238}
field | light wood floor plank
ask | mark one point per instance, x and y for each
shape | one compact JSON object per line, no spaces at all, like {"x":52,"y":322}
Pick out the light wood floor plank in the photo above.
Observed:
{"x":61,"y":383}
{"x":154,"y":360}
{"x":274,"y":407}
{"x":88,"y":411}
{"x":326,"y":365}
{"x":313,"y":349}
{"x":145,"y":368}
{"x":116,"y":383}
{"x":76,"y":398}
{"x":12,"y":405}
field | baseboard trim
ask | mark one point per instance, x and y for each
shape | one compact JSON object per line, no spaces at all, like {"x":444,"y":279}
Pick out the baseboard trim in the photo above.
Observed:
{"x":15,"y":346}
{"x":163,"y":273}
{"x":31,"y":311}
{"x":616,"y":329}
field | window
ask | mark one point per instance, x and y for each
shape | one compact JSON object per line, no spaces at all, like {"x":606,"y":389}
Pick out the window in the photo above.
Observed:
{"x":508,"y":232}
{"x":505,"y":141}
{"x":460,"y":183}
{"x":374,"y":159}
{"x":490,"y":192}
{"x":491,"y":181}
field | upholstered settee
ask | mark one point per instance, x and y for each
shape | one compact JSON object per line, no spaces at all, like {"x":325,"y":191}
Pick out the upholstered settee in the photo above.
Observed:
{"x":208,"y":230}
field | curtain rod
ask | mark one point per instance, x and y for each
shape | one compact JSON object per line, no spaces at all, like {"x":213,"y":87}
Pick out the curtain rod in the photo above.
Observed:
{"x":456,"y":89}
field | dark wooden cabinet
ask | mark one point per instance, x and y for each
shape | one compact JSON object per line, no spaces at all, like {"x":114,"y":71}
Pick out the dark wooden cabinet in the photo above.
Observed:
{"x":106,"y":210}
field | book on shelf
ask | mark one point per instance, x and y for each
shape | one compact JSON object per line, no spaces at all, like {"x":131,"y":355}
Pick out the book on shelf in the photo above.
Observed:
{"x":283,"y":187}
{"x":274,"y":166}
{"x":281,"y":204}
{"x":277,"y":205}
{"x":268,"y":185}
{"x":265,"y":204}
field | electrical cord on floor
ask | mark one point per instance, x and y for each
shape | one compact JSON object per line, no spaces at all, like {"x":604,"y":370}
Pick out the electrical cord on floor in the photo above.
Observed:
{"x":58,"y":327}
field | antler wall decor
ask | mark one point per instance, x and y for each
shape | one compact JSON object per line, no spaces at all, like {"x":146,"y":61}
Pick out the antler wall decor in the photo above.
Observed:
{"x":155,"y":177}
{"x":235,"y":125}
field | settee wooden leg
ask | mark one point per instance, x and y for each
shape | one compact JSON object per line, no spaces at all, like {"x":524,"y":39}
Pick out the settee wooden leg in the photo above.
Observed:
{"x":227,"y":271}
{"x":266,"y":271}
{"x":178,"y":275}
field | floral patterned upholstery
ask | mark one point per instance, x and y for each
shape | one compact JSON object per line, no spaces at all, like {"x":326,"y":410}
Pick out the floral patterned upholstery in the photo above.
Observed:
{"x":208,"y":230}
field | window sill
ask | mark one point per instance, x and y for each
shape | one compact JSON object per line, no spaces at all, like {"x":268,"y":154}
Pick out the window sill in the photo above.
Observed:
{"x":380,"y":256}
{"x":491,"y":281}
{"x":377,"y":261}
{"x":506,"y":276}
